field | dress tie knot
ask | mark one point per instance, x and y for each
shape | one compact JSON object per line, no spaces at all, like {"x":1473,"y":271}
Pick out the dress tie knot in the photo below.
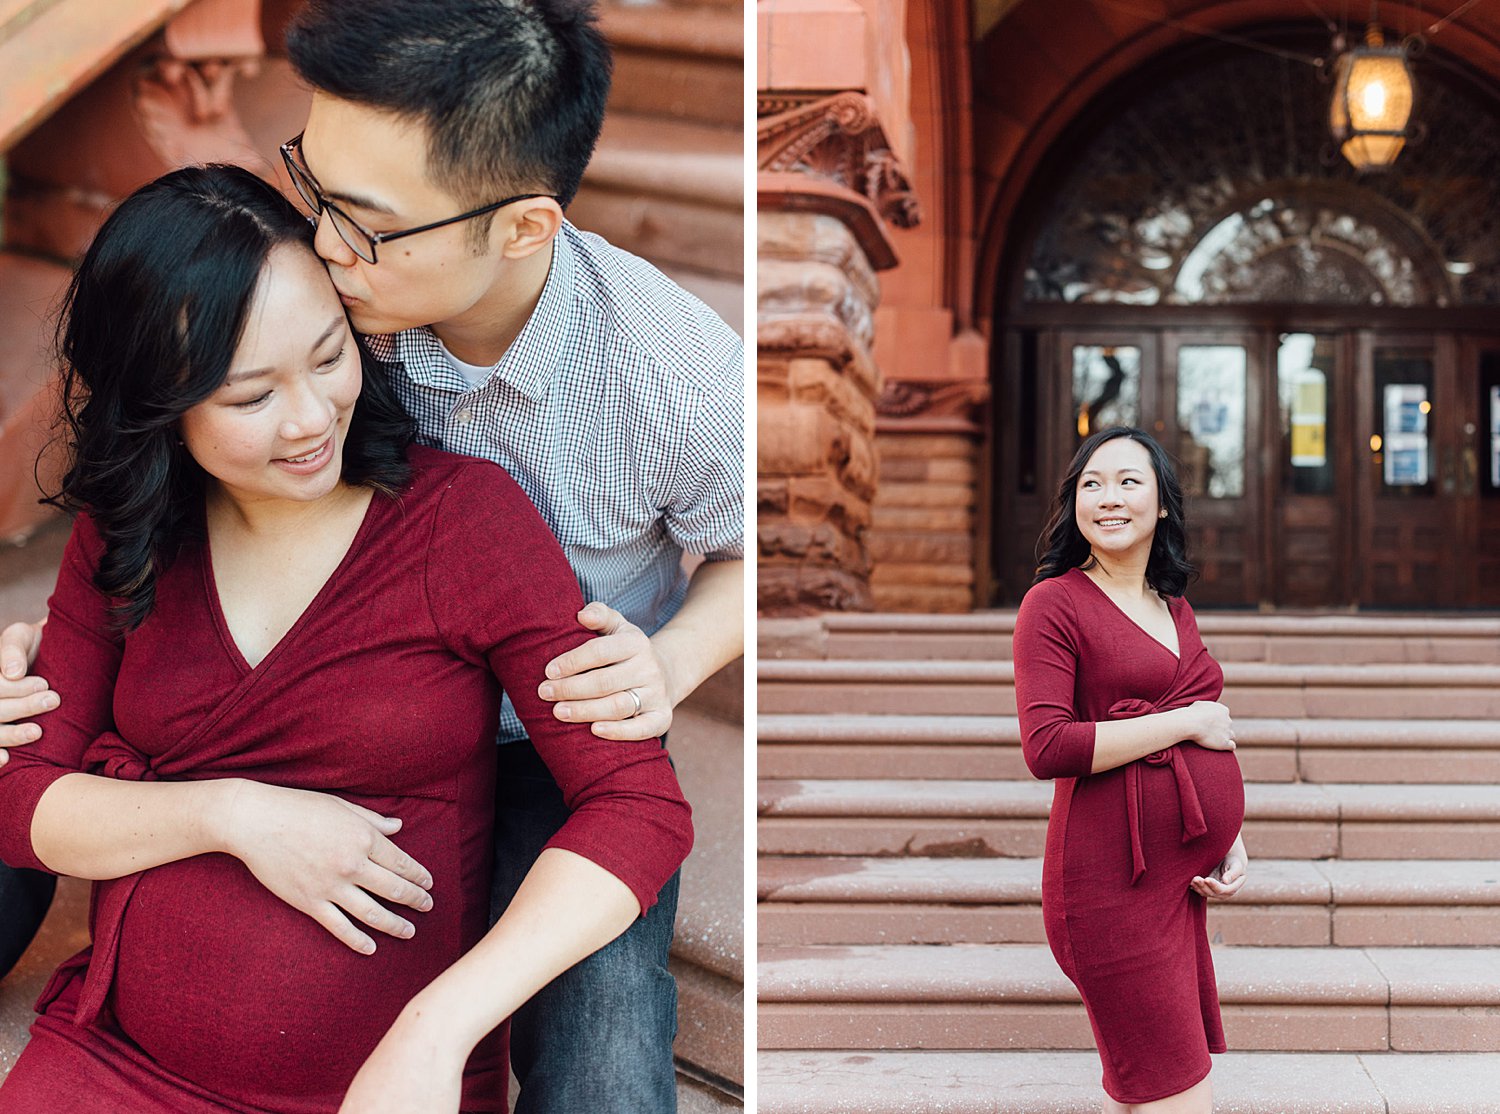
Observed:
{"x":1193,"y":823}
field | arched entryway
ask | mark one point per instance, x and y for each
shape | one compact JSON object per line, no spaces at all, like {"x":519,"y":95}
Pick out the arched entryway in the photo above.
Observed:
{"x":1319,"y":349}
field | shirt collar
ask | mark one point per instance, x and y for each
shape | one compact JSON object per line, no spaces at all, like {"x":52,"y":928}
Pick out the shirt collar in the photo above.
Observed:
{"x":534,"y":357}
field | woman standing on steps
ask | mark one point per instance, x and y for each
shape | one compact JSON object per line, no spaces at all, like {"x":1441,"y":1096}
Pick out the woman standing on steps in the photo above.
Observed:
{"x":1118,"y":702}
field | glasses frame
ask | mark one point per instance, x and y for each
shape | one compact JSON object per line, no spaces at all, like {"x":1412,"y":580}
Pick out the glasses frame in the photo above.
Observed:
{"x":312,"y":195}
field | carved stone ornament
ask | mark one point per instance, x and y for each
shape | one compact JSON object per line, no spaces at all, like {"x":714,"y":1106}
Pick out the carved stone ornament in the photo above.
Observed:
{"x":941,"y":399}
{"x":838,"y":139}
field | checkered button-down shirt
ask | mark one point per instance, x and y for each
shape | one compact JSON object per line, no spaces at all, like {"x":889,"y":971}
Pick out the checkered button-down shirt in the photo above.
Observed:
{"x":619,"y":410}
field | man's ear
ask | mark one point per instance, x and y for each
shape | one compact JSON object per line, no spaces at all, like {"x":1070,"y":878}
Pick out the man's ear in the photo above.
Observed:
{"x":529,"y":227}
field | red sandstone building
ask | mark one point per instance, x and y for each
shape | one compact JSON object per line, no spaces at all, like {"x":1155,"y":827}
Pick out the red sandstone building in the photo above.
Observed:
{"x":987,"y":228}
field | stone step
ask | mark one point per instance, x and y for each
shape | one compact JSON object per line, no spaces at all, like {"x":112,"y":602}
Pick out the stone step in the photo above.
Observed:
{"x":939,"y":746}
{"x":804,"y":1082}
{"x":978,"y":996}
{"x":1287,"y":902}
{"x":677,"y":63}
{"x":1008,"y":819}
{"x":1251,"y":689}
{"x":1230,"y":636}
{"x":669,"y":191}
{"x":694,"y":1096}
{"x":708,"y":951}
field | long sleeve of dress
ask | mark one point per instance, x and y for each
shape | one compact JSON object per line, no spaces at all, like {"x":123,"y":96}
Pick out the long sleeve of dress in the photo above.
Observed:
{"x":1053,"y":740}
{"x":79,"y":657}
{"x":502,"y":592}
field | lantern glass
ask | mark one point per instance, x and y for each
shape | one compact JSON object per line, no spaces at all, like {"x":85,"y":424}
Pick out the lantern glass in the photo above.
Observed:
{"x":1379,"y":95}
{"x":1372,"y":104}
{"x":1369,"y":152}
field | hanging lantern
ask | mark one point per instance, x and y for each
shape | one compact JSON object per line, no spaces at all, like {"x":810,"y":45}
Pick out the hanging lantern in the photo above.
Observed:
{"x":1372,"y":102}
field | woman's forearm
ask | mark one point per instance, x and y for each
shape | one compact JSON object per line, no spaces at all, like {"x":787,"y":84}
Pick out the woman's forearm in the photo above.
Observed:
{"x":1118,"y":742}
{"x":87,"y":826}
{"x":566,"y":909}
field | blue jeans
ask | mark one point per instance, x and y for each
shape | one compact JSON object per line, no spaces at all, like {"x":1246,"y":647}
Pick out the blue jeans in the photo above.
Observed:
{"x":598,"y":1038}
{"x":25,"y":896}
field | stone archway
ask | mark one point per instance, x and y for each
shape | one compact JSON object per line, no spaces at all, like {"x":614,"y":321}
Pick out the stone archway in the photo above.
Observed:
{"x":1040,"y":66}
{"x":1198,"y":201}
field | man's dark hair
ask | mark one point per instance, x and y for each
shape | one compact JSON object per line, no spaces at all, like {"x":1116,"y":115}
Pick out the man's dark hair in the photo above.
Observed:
{"x":149,"y":328}
{"x":511,"y":92}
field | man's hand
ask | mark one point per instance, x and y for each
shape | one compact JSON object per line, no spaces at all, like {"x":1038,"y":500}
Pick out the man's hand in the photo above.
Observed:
{"x":593,"y":683}
{"x":325,"y":857}
{"x":413,"y":1070}
{"x":21,"y":697}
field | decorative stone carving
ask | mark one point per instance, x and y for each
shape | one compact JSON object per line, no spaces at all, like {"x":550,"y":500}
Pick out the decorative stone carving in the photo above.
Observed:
{"x":837,"y":139}
{"x":830,"y":155}
{"x":937,"y":399}
{"x":187,"y":116}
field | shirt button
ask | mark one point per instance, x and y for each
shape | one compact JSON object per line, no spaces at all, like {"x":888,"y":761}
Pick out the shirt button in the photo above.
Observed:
{"x":464,"y":417}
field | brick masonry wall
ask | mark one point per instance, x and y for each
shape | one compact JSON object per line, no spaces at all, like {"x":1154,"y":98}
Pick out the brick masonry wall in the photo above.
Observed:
{"x":921,"y":538}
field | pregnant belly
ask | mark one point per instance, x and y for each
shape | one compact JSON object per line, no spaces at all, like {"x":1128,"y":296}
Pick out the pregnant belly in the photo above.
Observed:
{"x":1095,"y":847}
{"x":228,"y":987}
{"x":1221,"y":795}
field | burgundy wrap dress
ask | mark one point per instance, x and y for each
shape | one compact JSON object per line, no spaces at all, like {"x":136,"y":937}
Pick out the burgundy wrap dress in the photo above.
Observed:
{"x":202,"y":992}
{"x":1124,"y":844}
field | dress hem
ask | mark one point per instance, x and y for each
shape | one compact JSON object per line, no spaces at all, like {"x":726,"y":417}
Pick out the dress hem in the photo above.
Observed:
{"x":1176,"y":1089}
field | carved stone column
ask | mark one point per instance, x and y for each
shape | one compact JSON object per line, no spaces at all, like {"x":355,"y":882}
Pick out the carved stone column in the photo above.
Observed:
{"x":828,"y":187}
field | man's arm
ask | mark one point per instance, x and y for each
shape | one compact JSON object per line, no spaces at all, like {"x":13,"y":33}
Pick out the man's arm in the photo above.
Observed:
{"x":566,"y":909}
{"x":591,"y":684}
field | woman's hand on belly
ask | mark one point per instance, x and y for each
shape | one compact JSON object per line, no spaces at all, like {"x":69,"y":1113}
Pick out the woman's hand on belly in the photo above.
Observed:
{"x":1229,"y":877}
{"x":1212,"y":726}
{"x":325,"y":857}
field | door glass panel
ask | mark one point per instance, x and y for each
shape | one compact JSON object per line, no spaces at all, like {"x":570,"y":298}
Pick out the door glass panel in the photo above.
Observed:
{"x":1304,"y":372}
{"x":1106,"y":387}
{"x":1488,"y":449}
{"x":1402,"y":446}
{"x":1211,"y":418}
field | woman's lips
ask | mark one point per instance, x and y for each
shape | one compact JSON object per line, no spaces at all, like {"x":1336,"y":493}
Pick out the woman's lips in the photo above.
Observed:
{"x":306,"y":465}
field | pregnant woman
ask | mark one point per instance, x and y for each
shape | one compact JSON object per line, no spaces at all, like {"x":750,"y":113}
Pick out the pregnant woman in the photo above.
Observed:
{"x":1118,"y":702}
{"x":278,"y":629}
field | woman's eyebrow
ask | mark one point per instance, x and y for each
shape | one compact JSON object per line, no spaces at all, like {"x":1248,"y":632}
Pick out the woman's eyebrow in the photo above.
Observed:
{"x":257,"y":372}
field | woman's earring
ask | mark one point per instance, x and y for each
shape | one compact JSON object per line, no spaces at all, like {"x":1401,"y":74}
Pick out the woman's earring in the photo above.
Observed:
{"x":1162,"y":513}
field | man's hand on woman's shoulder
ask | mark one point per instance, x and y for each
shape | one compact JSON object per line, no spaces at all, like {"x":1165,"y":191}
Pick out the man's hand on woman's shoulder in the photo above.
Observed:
{"x":593,"y":684}
{"x":21,"y":696}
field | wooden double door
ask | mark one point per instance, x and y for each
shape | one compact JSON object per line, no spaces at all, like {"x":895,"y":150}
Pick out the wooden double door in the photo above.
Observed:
{"x":1323,"y":466}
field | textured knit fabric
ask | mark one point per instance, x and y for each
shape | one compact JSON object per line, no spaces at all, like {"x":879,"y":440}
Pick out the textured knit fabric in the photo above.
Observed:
{"x":1123,"y":845}
{"x":202,"y":991}
{"x":619,"y":409}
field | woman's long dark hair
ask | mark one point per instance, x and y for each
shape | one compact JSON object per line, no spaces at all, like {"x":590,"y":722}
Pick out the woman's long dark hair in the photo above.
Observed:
{"x":1062,"y":545}
{"x":149,"y":327}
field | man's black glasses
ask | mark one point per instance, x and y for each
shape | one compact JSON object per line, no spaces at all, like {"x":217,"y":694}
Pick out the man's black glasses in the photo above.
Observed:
{"x":361,"y":241}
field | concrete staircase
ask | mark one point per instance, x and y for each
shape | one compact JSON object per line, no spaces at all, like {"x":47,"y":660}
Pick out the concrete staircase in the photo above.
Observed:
{"x":903,"y":965}
{"x":667,"y":180}
{"x":707,"y":955}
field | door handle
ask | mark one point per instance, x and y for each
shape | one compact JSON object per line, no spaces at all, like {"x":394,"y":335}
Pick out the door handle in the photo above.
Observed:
{"x":1470,"y":476}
